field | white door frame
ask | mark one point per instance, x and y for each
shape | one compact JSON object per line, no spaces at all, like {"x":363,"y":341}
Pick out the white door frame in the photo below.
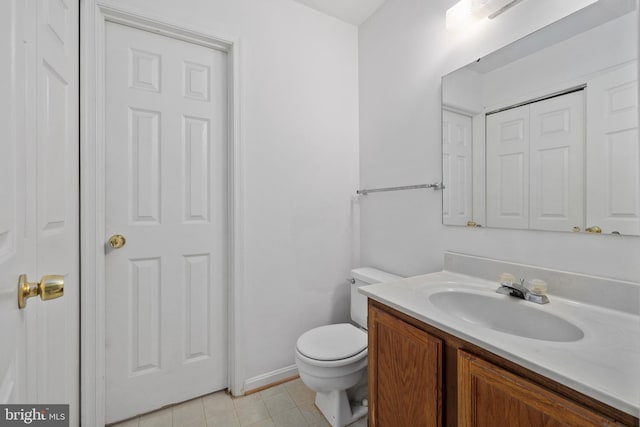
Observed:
{"x":94,"y":14}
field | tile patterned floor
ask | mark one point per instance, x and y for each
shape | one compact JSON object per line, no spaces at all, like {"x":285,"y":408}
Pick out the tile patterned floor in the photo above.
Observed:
{"x":286,"y":405}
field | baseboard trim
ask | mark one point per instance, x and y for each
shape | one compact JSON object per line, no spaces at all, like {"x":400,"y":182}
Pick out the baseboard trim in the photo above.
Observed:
{"x":270,"y":379}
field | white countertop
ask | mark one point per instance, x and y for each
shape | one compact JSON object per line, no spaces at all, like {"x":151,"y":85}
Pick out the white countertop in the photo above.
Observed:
{"x":604,"y":364}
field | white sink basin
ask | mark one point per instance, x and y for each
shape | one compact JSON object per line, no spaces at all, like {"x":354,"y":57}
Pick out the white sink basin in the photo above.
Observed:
{"x":591,"y":348}
{"x":506,"y":314}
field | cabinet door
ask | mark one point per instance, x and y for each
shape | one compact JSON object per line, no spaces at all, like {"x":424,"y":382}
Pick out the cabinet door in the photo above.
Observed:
{"x":405,"y":374}
{"x":490,"y":396}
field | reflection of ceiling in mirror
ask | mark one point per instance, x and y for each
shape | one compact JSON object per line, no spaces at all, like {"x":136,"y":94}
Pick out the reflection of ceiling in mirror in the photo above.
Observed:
{"x":595,"y":49}
{"x":352,"y":11}
{"x":588,"y":18}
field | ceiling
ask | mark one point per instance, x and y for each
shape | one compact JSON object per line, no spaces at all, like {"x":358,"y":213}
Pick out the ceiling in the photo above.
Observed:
{"x":352,"y":11}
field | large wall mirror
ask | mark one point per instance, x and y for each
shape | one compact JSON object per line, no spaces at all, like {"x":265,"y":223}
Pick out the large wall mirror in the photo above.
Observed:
{"x":543,"y":133}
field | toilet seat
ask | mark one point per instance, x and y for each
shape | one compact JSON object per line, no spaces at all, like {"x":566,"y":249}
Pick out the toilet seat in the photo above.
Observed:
{"x":333,"y":343}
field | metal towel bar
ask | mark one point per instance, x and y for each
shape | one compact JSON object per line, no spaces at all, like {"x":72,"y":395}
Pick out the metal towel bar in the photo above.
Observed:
{"x":436,"y":186}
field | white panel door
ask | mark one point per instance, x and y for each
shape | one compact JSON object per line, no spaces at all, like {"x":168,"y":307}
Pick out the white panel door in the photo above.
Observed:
{"x":166,"y":181}
{"x":613,"y":152}
{"x":508,"y":168}
{"x":17,"y":255}
{"x":457,"y":196}
{"x":39,"y":222}
{"x":557,"y":163}
{"x":57,"y":198}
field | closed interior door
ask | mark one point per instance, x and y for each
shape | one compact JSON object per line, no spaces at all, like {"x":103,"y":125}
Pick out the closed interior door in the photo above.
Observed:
{"x":39,"y":224}
{"x":535,"y":165}
{"x":16,"y":252}
{"x":613,"y":151}
{"x":57,"y":61}
{"x":557,"y":163}
{"x":166,"y":182}
{"x":457,"y":197}
{"x":508,"y":168}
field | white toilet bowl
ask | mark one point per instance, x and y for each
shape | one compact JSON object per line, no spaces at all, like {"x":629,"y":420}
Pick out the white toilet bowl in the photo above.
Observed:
{"x":332,"y":360}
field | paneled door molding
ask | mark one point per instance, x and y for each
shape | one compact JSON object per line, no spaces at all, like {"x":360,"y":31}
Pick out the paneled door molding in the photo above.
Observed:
{"x":94,"y":15}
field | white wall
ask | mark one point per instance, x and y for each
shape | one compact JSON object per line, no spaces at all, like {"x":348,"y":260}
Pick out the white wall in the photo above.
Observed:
{"x":576,"y":60}
{"x":404,"y":50}
{"x":300,"y":135}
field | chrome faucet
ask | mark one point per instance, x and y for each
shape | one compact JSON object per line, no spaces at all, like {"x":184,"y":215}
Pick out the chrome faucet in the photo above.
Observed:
{"x":518,"y":290}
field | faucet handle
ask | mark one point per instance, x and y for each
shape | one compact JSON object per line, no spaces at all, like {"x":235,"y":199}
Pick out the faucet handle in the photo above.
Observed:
{"x":506,"y":277}
{"x":537,"y":287}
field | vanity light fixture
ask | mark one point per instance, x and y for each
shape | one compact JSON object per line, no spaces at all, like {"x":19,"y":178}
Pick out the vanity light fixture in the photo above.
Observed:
{"x":467,"y":12}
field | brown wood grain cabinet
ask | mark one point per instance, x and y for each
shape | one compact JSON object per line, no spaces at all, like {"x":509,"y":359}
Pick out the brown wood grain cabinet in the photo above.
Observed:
{"x":405,"y":372}
{"x":487,"y":393}
{"x":422,"y":376}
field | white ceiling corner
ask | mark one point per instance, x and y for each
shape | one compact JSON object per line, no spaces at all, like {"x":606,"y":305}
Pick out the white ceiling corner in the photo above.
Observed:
{"x":352,"y":11}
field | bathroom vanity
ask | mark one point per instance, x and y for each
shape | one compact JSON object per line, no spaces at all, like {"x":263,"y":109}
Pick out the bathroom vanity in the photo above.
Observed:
{"x":438,"y":357}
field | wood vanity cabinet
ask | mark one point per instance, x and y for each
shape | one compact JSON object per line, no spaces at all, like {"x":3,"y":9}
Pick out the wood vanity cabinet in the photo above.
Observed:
{"x":422,"y":376}
{"x":405,"y":373}
{"x":487,"y":393}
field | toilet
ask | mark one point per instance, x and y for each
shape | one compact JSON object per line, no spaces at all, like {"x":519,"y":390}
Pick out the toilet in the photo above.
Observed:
{"x":332,"y":359}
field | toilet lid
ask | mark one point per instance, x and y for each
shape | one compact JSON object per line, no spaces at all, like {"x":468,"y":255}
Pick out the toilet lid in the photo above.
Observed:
{"x":332,"y":342}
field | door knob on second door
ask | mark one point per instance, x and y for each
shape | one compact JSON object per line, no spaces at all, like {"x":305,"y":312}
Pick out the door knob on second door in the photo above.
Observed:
{"x":117,"y":241}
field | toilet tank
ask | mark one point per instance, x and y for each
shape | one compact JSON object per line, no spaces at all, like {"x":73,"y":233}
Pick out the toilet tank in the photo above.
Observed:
{"x":362,"y":277}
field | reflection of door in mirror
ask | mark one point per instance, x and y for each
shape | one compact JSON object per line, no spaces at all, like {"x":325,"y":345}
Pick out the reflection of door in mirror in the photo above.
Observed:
{"x":456,"y":168}
{"x":508,"y":168}
{"x":535,"y":156}
{"x":531,"y":179}
{"x":613,"y":152}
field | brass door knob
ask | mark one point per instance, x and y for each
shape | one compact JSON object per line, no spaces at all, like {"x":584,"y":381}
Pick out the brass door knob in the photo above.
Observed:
{"x":49,"y":287}
{"x":594,"y":229}
{"x":117,"y":241}
{"x":576,"y":229}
